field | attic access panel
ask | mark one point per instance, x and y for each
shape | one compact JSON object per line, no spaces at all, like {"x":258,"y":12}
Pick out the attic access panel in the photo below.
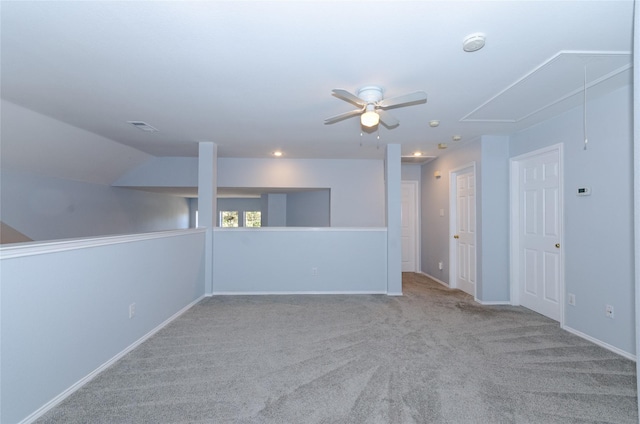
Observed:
{"x":554,"y":81}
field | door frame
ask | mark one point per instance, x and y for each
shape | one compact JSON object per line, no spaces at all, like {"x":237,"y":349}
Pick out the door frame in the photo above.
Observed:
{"x":453,"y":210}
{"x":514,"y":222}
{"x":416,"y":198}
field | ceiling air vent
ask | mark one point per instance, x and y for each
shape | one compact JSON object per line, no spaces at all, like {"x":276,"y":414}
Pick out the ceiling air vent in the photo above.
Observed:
{"x":143,"y":126}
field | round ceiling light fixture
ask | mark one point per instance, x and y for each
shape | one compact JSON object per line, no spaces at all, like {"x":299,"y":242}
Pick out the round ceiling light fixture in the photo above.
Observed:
{"x":434,"y":123}
{"x":370,"y":118}
{"x":474,"y":42}
{"x":277,"y":153}
{"x":456,"y":138}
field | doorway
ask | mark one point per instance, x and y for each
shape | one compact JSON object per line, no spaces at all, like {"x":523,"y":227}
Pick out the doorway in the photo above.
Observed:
{"x":537,"y":276}
{"x":462,"y":274}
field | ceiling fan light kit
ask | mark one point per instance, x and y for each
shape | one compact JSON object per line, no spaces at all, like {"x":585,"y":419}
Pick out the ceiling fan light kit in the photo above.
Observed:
{"x":369,"y":119}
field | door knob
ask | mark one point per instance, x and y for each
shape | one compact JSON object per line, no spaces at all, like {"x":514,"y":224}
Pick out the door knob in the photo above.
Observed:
{"x":456,"y":236}
{"x":558,"y":245}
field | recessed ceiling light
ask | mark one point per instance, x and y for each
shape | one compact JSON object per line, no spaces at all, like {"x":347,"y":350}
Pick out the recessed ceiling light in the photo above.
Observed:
{"x":473,"y":42}
{"x":456,"y":138}
{"x":143,"y":126}
{"x":434,"y":123}
{"x":442,"y":146}
{"x":417,"y":154}
{"x":277,"y":153}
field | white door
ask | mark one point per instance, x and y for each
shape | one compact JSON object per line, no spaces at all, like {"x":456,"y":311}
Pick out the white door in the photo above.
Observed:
{"x":464,"y":238}
{"x":409,"y":226}
{"x":539,"y":233}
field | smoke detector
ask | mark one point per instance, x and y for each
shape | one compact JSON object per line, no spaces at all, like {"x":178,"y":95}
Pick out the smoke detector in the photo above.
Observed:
{"x":473,"y":42}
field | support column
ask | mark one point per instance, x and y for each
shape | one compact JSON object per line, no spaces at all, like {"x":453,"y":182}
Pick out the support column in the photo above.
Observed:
{"x":207,"y":203}
{"x":393,"y":179}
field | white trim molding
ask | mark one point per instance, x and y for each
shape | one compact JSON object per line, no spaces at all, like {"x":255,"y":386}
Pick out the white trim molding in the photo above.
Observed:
{"x":301,"y":229}
{"x":279,"y":293}
{"x":41,"y":248}
{"x":493,"y":302}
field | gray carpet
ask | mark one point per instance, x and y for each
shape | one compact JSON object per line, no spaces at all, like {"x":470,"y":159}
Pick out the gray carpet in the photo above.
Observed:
{"x":431,"y":356}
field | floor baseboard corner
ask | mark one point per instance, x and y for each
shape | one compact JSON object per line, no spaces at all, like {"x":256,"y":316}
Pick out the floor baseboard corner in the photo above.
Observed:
{"x":437,"y":280}
{"x":600,"y":343}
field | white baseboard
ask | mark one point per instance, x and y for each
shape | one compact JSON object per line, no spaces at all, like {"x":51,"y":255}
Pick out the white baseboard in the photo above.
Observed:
{"x":394,"y":293}
{"x":277,"y":293}
{"x":62,"y":396}
{"x":493,"y":302}
{"x":437,"y":280}
{"x":600,"y":343}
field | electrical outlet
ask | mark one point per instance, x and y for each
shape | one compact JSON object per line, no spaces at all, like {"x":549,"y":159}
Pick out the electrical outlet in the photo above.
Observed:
{"x":314,"y":272}
{"x":608,"y":311}
{"x":572,"y":299}
{"x":132,"y":310}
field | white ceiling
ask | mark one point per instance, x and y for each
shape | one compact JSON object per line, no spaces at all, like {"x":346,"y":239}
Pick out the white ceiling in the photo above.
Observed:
{"x":254,"y":77}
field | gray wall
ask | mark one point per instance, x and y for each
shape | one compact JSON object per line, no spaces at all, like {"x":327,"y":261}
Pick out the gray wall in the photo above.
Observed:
{"x":77,"y":314}
{"x":276,"y":207}
{"x":162,"y":172}
{"x":598,"y":229}
{"x":46,"y":208}
{"x":283,"y":260}
{"x":491,"y":157}
{"x":357,"y":186}
{"x":410,"y":172}
{"x":493,"y":227}
{"x":434,"y":236}
{"x":309,"y":209}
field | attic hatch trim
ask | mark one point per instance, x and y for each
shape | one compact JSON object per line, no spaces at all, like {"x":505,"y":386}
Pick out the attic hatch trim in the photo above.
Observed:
{"x":554,"y":67}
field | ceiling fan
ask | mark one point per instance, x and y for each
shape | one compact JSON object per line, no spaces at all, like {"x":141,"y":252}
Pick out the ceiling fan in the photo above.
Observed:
{"x":372,"y":105}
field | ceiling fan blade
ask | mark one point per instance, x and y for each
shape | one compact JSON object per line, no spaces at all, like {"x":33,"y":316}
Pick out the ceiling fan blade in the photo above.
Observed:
{"x":387,"y":119}
{"x":407,"y":99}
{"x":342,"y":116}
{"x":351,"y":98}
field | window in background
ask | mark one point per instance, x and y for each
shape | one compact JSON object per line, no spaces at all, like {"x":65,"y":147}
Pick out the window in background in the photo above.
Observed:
{"x":228,"y":219}
{"x":252,"y":219}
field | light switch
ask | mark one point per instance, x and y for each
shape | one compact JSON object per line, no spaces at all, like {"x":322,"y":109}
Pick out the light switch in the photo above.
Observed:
{"x":441,"y":212}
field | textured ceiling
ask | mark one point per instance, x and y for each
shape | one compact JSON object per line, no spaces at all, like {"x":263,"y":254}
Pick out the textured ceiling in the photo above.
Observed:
{"x":254,"y":77}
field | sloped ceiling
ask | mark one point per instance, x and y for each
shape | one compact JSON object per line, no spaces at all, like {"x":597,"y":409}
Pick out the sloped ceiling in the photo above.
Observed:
{"x":255,"y":77}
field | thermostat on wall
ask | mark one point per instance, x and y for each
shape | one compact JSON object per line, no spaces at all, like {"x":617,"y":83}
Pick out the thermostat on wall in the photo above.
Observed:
{"x":584,"y":191}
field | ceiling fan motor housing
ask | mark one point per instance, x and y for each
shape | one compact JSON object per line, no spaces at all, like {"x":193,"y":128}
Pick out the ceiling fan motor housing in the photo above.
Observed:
{"x":370,"y":94}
